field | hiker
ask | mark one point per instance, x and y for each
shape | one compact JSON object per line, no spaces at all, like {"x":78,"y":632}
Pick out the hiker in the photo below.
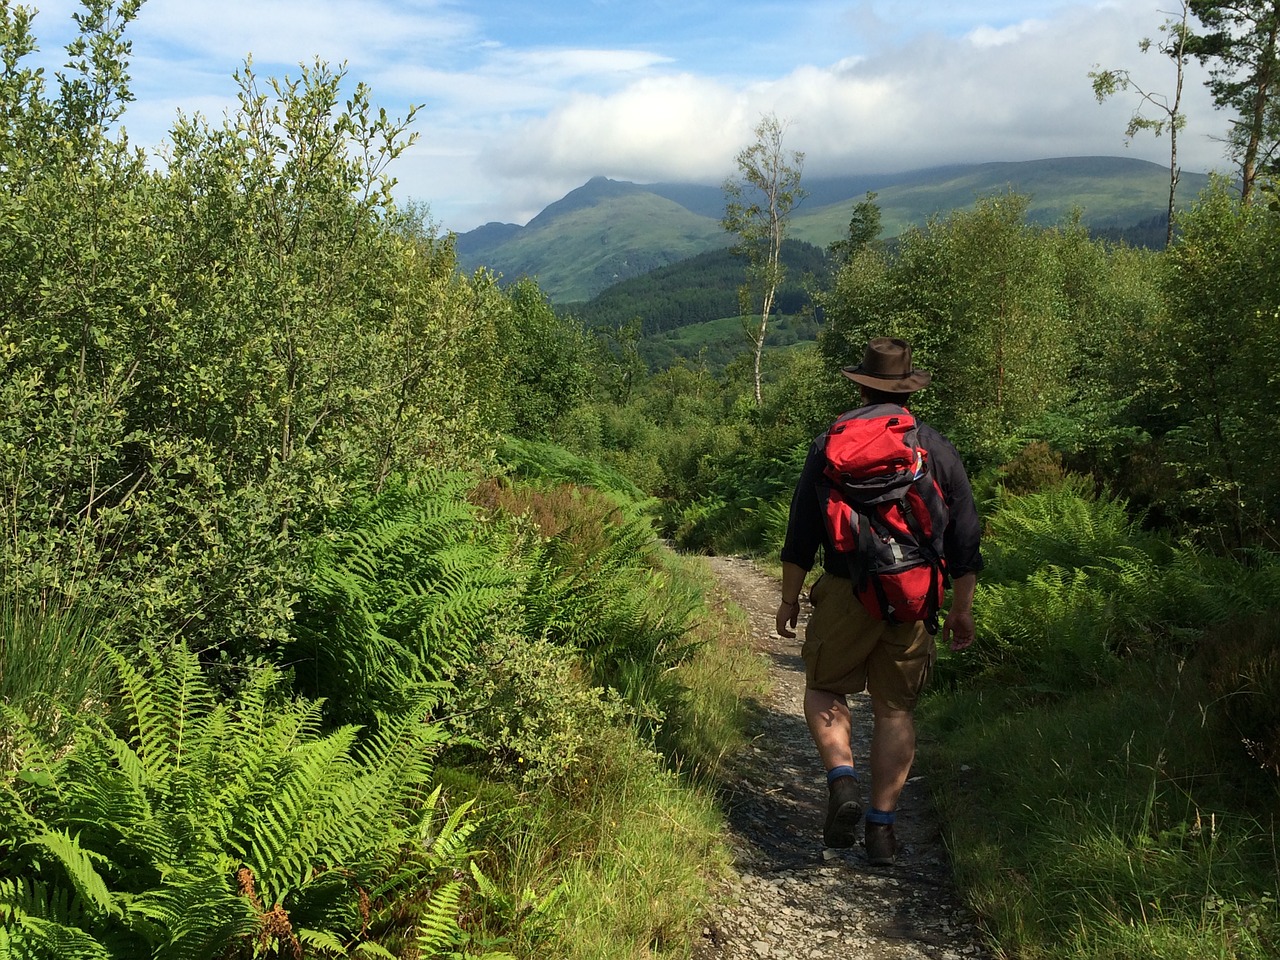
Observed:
{"x":846,"y":648}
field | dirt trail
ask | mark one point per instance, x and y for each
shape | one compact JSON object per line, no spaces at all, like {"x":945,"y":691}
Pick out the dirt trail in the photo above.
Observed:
{"x":789,"y":901}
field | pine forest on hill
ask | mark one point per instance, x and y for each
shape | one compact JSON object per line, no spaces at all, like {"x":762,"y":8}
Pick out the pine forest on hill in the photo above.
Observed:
{"x":354,"y":601}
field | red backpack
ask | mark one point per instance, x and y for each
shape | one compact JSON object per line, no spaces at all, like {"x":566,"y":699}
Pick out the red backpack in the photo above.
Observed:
{"x":886,"y":514}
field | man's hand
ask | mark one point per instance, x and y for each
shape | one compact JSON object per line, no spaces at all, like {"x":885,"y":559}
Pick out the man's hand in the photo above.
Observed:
{"x":787,"y":614}
{"x":957,"y":631}
{"x":958,"y":628}
{"x":792,"y":586}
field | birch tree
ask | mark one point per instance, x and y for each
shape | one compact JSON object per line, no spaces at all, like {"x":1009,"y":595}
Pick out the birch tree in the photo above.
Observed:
{"x":758,"y":206}
{"x":1169,"y":108}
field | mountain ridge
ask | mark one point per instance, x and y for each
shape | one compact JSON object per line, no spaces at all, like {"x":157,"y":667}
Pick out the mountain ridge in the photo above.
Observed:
{"x":609,"y":230}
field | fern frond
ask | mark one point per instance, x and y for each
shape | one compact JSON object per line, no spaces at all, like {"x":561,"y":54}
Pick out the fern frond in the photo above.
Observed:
{"x":294,"y":820}
{"x":447,"y":842}
{"x":36,"y":938}
{"x":192,"y":916}
{"x":323,"y":944}
{"x":27,"y":897}
{"x":437,"y":920}
{"x":17,"y":823}
{"x":368,"y":948}
{"x":397,"y":601}
{"x":79,"y":866}
{"x":163,"y":705}
{"x":402,"y":752}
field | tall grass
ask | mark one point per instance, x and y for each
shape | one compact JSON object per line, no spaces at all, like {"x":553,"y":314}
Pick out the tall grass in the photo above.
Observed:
{"x":1112,"y":823}
{"x":630,"y":855}
{"x":51,"y":662}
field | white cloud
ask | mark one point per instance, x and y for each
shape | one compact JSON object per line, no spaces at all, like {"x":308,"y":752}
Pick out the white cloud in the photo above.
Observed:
{"x":293,"y":31}
{"x":522,"y":105}
{"x":1019,"y":91}
{"x":998,"y":37}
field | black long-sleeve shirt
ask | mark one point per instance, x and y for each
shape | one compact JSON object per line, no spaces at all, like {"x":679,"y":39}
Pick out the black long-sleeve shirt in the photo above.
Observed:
{"x":806,"y":529}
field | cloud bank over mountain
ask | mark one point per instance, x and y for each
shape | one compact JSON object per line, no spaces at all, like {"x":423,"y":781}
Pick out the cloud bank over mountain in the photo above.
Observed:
{"x":521,"y":102}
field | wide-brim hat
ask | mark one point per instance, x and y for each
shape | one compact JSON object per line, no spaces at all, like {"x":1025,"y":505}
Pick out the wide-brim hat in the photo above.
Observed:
{"x":886,"y":365}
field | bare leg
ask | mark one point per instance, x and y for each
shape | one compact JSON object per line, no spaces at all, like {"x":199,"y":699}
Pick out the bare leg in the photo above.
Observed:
{"x":893,"y":749}
{"x":831,"y":726}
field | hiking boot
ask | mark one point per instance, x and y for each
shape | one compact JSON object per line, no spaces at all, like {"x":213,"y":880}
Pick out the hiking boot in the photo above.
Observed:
{"x":882,"y":845}
{"x":843,"y":813}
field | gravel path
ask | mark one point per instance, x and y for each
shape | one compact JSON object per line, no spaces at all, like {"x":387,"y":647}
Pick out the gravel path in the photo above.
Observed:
{"x":790,"y":899}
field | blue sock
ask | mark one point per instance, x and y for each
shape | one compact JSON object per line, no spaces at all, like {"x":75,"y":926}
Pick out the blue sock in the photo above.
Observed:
{"x":879,"y":816}
{"x":835,"y":773}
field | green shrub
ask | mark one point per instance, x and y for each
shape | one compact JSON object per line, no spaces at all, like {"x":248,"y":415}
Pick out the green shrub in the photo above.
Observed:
{"x":532,"y":713}
{"x":1036,"y":467}
{"x":201,"y":363}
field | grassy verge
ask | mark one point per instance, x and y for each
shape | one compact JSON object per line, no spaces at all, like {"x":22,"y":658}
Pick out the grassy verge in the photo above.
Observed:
{"x":1113,"y":823}
{"x":620,"y":861}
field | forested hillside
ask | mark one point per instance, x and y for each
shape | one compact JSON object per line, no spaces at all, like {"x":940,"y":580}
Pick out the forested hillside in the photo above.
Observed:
{"x":698,"y":290}
{"x":341,"y":615}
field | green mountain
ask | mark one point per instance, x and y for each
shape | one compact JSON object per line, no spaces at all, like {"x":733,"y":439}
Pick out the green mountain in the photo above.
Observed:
{"x":601,"y":233}
{"x":607,"y":231}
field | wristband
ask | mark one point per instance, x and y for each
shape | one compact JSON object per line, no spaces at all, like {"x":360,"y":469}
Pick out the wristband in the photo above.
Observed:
{"x":791,"y":603}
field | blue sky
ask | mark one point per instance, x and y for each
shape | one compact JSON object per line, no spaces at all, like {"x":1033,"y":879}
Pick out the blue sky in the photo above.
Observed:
{"x":523,"y":101}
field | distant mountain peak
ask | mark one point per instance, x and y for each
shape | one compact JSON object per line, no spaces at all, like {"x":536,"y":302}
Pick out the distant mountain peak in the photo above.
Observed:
{"x":595,"y":191}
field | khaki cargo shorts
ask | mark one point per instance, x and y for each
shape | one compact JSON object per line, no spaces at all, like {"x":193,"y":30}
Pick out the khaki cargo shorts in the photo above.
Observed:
{"x":846,"y":650}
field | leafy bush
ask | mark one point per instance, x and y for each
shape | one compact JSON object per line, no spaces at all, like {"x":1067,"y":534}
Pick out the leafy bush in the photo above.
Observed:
{"x":531,"y":711}
{"x":201,"y":363}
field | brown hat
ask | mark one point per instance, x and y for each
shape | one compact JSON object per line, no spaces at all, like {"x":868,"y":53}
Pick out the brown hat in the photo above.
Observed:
{"x":887,"y":366}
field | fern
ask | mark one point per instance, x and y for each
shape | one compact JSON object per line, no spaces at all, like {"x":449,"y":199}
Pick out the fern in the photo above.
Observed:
{"x":437,"y":920}
{"x":1066,"y":526}
{"x":396,"y":603}
{"x":550,"y":464}
{"x":1073,"y":582}
{"x":79,"y":865}
{"x":194,"y":916}
{"x":177,"y":840}
{"x":40,"y":920}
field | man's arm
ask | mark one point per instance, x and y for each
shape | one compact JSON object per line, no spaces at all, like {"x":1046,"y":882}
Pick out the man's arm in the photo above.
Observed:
{"x":805,"y":532}
{"x":958,"y":628}
{"x":789,"y":607}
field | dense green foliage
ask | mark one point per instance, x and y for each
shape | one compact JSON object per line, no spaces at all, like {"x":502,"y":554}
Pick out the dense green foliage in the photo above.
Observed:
{"x":247,"y":410}
{"x":200,"y":363}
{"x":332,"y":618}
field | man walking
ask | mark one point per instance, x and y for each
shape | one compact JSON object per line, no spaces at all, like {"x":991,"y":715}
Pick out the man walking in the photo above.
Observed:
{"x":846,"y":649}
